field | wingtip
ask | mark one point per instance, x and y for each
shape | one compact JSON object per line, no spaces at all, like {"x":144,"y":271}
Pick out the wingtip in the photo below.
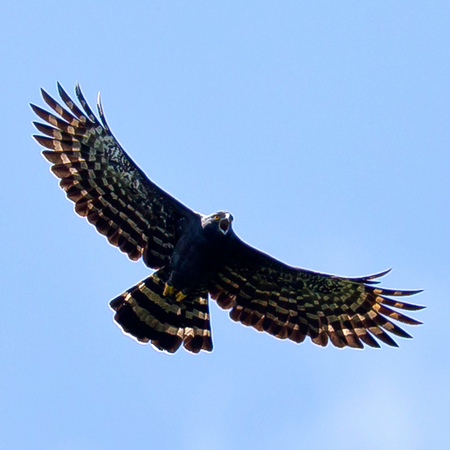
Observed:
{"x":62,"y":92}
{"x":368,"y":279}
{"x":45,"y":95}
{"x":38,"y":138}
{"x":379,"y":274}
{"x":407,"y":293}
{"x":85,"y":105}
{"x":78,"y":89}
{"x":38,"y":110}
{"x":101,"y":112}
{"x":418,"y":291}
{"x":419,"y":308}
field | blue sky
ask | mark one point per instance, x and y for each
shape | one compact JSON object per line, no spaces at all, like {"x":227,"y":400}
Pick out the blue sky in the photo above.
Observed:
{"x":322,"y":126}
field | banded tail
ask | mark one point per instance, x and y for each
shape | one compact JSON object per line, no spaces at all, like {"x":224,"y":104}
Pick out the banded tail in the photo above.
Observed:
{"x":146,"y":314}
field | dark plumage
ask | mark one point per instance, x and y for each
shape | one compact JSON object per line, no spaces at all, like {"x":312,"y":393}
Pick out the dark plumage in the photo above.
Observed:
{"x":197,"y":256}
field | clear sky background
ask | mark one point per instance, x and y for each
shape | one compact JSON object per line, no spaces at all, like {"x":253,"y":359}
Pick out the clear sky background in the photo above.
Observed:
{"x":324,"y":127}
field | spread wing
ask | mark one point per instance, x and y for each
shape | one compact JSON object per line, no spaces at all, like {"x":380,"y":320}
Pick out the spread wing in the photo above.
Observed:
{"x":293,"y":303}
{"x":106,"y":185}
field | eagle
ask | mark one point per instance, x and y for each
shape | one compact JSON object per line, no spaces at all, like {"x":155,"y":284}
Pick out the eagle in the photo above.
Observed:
{"x":196,"y":257}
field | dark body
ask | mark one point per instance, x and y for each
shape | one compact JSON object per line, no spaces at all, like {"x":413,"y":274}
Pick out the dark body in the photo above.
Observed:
{"x":197,"y":257}
{"x":200,"y":252}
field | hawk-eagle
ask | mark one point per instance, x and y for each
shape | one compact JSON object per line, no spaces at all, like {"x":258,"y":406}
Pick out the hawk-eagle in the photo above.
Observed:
{"x":198,"y":256}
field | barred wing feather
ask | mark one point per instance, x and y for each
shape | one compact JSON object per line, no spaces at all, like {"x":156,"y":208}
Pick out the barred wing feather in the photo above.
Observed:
{"x":107,"y":187}
{"x":292,"y":303}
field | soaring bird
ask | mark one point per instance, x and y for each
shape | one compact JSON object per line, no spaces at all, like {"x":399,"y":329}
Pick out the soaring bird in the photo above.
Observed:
{"x":197,"y":257}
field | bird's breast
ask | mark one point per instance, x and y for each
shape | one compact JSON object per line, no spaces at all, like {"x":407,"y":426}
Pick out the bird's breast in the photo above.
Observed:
{"x":195,"y":258}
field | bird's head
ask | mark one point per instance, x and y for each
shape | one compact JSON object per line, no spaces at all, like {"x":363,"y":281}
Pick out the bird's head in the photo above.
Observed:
{"x":218,"y":221}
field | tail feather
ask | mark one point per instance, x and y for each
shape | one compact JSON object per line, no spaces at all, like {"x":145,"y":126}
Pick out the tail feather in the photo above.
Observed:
{"x":149,"y":316}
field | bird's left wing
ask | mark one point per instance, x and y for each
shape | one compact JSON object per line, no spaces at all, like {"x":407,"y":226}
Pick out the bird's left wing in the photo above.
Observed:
{"x":108,"y":188}
{"x":293,"y":303}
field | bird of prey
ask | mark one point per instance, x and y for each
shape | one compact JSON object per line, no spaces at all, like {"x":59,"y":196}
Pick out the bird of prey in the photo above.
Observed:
{"x":197,"y":257}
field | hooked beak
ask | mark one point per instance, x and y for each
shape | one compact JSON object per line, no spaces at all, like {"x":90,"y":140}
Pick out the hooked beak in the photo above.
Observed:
{"x":224,"y":224}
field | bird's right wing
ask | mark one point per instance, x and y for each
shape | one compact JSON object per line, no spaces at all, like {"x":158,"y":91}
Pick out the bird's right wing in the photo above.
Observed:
{"x":108,"y":188}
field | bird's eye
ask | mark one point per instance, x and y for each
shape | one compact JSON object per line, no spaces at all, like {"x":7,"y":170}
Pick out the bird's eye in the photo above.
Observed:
{"x":216,"y":217}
